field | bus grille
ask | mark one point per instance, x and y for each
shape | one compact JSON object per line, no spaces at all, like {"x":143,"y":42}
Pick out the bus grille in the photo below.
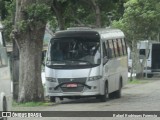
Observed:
{"x":77,"y":89}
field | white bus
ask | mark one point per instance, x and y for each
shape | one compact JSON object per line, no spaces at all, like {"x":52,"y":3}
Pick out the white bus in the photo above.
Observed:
{"x":84,"y":62}
{"x":5,"y":79}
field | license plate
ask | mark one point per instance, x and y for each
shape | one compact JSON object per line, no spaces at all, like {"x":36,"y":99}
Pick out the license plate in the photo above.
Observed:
{"x":72,"y":85}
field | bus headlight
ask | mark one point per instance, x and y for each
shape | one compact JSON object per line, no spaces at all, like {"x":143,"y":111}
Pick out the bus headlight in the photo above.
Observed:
{"x":50,"y":79}
{"x":94,"y":78}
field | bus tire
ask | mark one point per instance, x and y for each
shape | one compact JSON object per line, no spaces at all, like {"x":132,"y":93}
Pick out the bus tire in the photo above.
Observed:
{"x":4,"y":107}
{"x":118,"y":93}
{"x":104,"y":98}
{"x":52,"y":99}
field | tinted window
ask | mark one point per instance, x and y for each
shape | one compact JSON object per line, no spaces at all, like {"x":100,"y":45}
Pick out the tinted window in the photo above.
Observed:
{"x":110,"y":49}
{"x":74,"y":51}
{"x":142,"y":53}
{"x":104,"y":50}
{"x":119,"y":47}
{"x":124,"y":47}
{"x":115,"y":47}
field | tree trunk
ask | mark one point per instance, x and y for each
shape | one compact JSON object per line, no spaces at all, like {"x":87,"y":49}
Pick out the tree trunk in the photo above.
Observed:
{"x":58,"y":9}
{"x":15,"y":70}
{"x":29,"y":37}
{"x":139,"y":64}
{"x":30,"y":84}
{"x":97,"y":13}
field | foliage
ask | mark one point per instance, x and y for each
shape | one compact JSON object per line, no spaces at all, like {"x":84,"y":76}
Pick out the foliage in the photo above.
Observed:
{"x":140,"y":20}
{"x":138,"y":81}
{"x":34,"y":14}
{"x":38,"y":12}
{"x":8,"y":17}
{"x":31,"y":104}
{"x":74,"y":13}
{"x":82,"y":12}
{"x":3,"y":10}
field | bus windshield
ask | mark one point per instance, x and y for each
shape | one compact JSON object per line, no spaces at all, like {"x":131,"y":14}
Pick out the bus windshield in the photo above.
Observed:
{"x":75,"y":51}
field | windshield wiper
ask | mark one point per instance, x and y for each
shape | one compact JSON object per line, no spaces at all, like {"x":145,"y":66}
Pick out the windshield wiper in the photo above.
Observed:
{"x":64,"y":62}
{"x":80,"y":61}
{"x":55,"y":62}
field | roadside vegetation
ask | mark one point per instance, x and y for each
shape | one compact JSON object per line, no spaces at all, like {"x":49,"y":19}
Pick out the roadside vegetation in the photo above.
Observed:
{"x":31,"y":104}
{"x":138,"y":81}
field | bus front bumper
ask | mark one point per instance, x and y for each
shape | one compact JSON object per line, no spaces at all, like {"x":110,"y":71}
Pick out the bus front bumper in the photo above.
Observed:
{"x":61,"y":94}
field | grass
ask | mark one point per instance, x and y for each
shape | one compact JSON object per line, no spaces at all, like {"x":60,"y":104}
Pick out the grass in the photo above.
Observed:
{"x":31,"y":104}
{"x":137,"y":81}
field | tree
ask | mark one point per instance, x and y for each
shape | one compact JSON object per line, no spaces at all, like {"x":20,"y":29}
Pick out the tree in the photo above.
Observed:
{"x":3,"y":10}
{"x":140,"y":19}
{"x":59,"y":8}
{"x":97,"y":11}
{"x":30,"y":20}
{"x":7,"y":9}
{"x":93,"y":13}
{"x":140,"y":22}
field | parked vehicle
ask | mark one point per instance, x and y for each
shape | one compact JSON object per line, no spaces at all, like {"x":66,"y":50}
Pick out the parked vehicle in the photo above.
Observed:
{"x":5,"y":79}
{"x":149,"y":52}
{"x":84,"y":62}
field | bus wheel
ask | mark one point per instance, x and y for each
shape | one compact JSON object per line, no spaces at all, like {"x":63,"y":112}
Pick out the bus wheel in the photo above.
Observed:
{"x":103,"y":98}
{"x":117,"y":94}
{"x":4,"y":107}
{"x":52,"y":99}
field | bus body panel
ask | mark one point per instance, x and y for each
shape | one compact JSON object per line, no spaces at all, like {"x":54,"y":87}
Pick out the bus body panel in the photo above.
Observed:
{"x":114,"y":75}
{"x":72,"y":73}
{"x":72,"y":76}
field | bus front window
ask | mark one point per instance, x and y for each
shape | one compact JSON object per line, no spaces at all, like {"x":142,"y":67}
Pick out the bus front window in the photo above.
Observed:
{"x":74,"y":51}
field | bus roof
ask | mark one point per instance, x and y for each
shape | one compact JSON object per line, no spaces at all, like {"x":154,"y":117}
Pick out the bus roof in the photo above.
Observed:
{"x":103,"y":33}
{"x":110,"y":33}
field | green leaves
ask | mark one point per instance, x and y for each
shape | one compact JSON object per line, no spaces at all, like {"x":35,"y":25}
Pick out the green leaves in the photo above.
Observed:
{"x":34,"y":15}
{"x":140,"y":19}
{"x":8,"y":10}
{"x":22,"y":25}
{"x":38,"y":12}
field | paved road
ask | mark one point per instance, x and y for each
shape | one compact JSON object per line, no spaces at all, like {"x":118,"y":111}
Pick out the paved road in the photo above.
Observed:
{"x":137,"y":97}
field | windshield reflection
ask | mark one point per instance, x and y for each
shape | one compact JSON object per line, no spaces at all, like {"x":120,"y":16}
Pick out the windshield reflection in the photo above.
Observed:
{"x":73,"y":51}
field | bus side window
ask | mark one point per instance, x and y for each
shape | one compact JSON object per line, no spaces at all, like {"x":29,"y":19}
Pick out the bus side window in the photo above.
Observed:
{"x":120,"y":48}
{"x":124,"y":46}
{"x":110,"y":50}
{"x":104,"y":50}
{"x":115,"y":48}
